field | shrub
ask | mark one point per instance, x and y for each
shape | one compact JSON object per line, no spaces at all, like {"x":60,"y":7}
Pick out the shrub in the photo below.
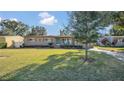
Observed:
{"x":51,"y":45}
{"x":3,"y":45}
{"x":71,"y":46}
{"x":2,"y":39}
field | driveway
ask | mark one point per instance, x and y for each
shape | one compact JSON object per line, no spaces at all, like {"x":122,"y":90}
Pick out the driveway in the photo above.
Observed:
{"x":117,"y":55}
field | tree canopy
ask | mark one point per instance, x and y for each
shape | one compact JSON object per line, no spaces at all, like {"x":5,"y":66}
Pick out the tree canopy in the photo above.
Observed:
{"x":38,"y":30}
{"x":11,"y":27}
{"x":84,"y":25}
{"x":118,"y":24}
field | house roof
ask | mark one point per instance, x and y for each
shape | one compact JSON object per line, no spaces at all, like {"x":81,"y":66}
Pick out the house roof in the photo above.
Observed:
{"x":49,"y":36}
{"x":10,"y":36}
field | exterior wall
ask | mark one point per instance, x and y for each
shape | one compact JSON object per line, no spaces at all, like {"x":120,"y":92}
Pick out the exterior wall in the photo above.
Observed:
{"x":38,"y":41}
{"x":120,"y":41}
{"x":45,"y":40}
{"x":66,"y":41}
{"x":14,"y":41}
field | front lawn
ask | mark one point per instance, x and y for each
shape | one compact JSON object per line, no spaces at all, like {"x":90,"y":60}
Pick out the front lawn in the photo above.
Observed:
{"x":57,"y":64}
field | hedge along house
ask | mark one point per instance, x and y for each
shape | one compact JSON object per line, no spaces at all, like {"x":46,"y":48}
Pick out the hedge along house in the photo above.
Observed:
{"x":13,"y":41}
{"x":111,"y":41}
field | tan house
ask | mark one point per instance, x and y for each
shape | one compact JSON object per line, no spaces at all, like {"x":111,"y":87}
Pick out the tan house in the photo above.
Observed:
{"x":13,"y":41}
{"x":41,"y":40}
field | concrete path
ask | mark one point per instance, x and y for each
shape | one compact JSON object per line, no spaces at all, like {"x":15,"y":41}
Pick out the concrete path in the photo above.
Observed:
{"x":118,"y":55}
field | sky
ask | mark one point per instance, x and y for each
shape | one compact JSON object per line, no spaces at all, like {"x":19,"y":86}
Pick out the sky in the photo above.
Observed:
{"x":52,"y":21}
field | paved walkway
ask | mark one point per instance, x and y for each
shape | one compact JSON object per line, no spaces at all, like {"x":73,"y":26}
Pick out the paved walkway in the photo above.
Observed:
{"x":117,"y":55}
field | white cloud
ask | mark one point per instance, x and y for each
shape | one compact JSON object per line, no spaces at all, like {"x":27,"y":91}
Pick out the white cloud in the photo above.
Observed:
{"x":13,"y":19}
{"x":44,"y":15}
{"x":47,"y":19}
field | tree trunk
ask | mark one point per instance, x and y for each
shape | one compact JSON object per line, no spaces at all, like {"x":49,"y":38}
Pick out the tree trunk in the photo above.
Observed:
{"x":86,"y":52}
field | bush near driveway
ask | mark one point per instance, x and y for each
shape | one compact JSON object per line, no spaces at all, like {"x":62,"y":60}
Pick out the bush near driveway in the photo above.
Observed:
{"x":3,"y":45}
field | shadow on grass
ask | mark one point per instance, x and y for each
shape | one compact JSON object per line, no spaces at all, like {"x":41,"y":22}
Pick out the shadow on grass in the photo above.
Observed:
{"x":67,"y":67}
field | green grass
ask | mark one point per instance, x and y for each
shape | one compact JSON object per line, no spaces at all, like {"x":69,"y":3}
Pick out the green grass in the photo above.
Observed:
{"x":57,"y":64}
{"x":117,"y":49}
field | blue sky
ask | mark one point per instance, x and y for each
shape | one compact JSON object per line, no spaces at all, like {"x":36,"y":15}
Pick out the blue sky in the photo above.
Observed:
{"x":52,"y":21}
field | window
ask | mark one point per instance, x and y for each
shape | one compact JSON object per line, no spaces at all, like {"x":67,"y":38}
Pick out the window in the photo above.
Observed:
{"x":31,"y":39}
{"x":40,"y":40}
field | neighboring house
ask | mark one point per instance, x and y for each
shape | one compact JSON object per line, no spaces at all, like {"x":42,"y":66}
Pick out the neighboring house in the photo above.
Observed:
{"x":111,"y":41}
{"x":13,"y":41}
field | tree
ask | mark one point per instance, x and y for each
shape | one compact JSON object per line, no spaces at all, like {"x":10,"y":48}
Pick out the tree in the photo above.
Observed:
{"x":118,"y":24}
{"x":11,"y":27}
{"x":38,"y":30}
{"x":84,"y":26}
{"x":65,"y":31}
